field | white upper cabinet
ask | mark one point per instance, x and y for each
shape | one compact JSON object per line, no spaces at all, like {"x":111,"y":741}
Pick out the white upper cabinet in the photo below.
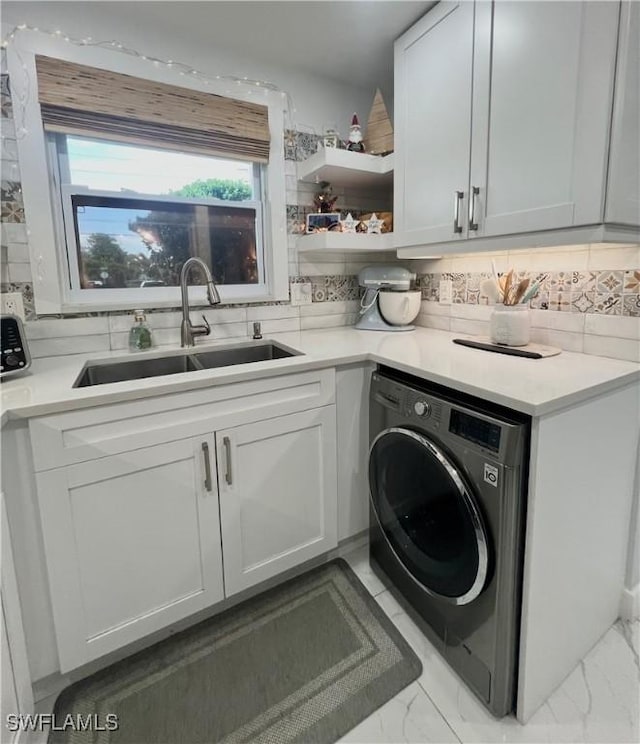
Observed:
{"x":542,"y":103}
{"x":433,"y":84}
{"x":623,"y":192}
{"x":510,"y":103}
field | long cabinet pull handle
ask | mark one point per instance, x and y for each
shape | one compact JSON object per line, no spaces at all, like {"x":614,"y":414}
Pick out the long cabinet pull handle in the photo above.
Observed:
{"x":458,"y":196}
{"x":207,"y":466}
{"x":473,"y":225}
{"x":228,"y":476}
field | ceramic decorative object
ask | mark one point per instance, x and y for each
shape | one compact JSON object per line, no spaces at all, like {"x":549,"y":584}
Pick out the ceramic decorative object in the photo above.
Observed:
{"x":509,"y":325}
{"x":374,"y":225}
{"x":349,"y":224}
{"x":355,"y":143}
{"x":332,"y":138}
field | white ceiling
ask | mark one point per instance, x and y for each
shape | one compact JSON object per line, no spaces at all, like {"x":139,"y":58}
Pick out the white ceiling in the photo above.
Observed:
{"x":345,"y":41}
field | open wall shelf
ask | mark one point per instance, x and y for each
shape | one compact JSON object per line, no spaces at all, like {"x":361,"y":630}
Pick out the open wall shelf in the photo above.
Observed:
{"x":345,"y":242}
{"x":346,"y":168}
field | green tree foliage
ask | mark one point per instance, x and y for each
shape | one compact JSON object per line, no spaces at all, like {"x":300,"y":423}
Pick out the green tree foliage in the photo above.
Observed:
{"x":167,"y":238}
{"x":103,"y":255}
{"x":216,"y":188}
{"x":169,"y":235}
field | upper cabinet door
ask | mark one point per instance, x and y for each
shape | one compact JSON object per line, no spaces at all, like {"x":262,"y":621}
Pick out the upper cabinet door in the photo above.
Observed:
{"x":278,"y":494}
{"x":623,"y":193}
{"x":542,"y":103}
{"x":433,"y":75}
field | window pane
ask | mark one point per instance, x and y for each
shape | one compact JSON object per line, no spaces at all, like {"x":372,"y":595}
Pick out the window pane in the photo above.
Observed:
{"x":107,"y":166}
{"x":125,"y":243}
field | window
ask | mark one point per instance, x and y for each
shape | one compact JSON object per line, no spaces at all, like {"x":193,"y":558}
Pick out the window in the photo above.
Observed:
{"x":132,"y":215}
{"x":124,"y":153}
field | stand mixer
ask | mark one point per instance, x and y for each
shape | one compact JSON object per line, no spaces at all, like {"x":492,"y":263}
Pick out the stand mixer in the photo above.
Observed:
{"x":388,"y":304}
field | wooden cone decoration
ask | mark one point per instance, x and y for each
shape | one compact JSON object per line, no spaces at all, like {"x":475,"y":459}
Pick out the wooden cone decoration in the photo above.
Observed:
{"x":379,"y":137}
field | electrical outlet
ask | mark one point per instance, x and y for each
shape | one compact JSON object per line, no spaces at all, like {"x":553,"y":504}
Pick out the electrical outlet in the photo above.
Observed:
{"x":301,"y":294}
{"x":446,"y":291}
{"x":12,"y":304}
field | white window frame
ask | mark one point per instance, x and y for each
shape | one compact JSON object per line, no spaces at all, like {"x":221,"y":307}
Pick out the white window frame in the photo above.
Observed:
{"x":50,"y":274}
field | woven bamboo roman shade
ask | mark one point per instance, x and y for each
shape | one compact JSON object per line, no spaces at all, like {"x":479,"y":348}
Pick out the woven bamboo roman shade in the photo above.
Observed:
{"x":77,"y":99}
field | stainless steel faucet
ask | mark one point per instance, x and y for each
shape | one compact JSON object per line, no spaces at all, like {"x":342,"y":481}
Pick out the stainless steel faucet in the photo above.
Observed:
{"x":187,"y":330}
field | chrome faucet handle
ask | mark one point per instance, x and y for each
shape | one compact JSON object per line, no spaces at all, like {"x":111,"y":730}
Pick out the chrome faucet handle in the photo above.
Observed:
{"x":200,"y":330}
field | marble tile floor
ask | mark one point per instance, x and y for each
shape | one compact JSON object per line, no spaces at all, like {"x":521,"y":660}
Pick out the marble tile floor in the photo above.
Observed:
{"x":599,"y":702}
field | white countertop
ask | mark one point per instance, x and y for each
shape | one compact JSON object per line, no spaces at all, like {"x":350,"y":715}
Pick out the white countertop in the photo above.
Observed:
{"x":533,"y":386}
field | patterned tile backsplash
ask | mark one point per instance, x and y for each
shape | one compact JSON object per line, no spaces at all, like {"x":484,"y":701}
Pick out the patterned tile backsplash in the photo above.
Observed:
{"x":5,"y":98}
{"x":612,"y":295}
{"x":300,"y":145}
{"x":612,"y":292}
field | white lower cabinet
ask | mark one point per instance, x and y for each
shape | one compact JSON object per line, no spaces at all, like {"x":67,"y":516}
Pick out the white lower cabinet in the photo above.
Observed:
{"x":16,"y":693}
{"x":134,"y":539}
{"x":132,"y":544}
{"x":277,"y":481}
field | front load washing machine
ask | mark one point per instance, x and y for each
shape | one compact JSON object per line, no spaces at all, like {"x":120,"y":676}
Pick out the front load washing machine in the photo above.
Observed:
{"x":447,"y":477}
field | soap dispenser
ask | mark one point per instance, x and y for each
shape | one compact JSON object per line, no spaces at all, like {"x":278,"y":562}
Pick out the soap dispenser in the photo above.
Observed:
{"x":140,"y":337}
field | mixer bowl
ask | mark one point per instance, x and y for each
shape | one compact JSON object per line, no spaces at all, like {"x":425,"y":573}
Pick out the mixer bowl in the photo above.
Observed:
{"x":399,"y":308}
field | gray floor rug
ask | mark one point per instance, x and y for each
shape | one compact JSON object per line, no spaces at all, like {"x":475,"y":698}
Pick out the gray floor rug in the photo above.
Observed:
{"x":304,"y":662}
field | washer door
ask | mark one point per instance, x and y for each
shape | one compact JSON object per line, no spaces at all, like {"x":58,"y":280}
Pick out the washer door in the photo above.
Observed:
{"x":428,"y":515}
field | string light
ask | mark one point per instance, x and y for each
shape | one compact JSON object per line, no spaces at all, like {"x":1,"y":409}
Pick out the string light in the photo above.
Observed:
{"x":180,"y":67}
{"x":187,"y":69}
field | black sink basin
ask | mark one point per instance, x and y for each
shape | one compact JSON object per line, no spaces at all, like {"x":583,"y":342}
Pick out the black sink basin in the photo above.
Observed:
{"x":136,"y":369}
{"x":102,"y":373}
{"x":242,"y":354}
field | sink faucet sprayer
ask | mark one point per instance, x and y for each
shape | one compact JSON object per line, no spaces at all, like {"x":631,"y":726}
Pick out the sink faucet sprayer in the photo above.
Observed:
{"x":187,"y":329}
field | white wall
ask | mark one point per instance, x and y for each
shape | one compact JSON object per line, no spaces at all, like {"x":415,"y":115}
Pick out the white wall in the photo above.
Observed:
{"x":318,"y":101}
{"x":633,"y":559}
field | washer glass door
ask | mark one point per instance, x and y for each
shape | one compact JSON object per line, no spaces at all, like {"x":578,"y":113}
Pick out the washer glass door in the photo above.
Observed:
{"x":428,"y":514}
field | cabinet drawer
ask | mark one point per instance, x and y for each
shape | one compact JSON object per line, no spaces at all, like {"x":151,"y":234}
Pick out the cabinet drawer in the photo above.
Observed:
{"x":68,"y":438}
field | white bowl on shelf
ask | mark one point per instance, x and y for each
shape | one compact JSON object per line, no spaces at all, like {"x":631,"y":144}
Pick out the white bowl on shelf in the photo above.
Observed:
{"x":399,"y":308}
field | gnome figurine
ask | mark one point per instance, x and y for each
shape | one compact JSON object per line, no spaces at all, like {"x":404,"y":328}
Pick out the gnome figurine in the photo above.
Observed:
{"x":355,"y":143}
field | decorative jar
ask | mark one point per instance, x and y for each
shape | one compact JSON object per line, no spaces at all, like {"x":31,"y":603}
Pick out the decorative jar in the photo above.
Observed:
{"x":509,"y":325}
{"x":332,"y":138}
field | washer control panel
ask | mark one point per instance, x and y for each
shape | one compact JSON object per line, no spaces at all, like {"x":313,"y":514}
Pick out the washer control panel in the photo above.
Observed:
{"x":456,"y":424}
{"x":422,"y":408}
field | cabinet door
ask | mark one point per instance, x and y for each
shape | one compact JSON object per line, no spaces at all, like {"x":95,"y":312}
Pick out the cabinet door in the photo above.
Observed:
{"x":16,"y":694}
{"x":277,"y":481}
{"x":541,"y":111}
{"x":8,"y":694}
{"x":623,"y":192}
{"x":433,"y":75}
{"x":132,"y":544}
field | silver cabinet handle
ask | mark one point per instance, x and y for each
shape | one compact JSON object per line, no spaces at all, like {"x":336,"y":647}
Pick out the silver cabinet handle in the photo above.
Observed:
{"x":473,"y":225}
{"x":207,"y":466}
{"x":226,"y":442}
{"x":458,"y":196}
